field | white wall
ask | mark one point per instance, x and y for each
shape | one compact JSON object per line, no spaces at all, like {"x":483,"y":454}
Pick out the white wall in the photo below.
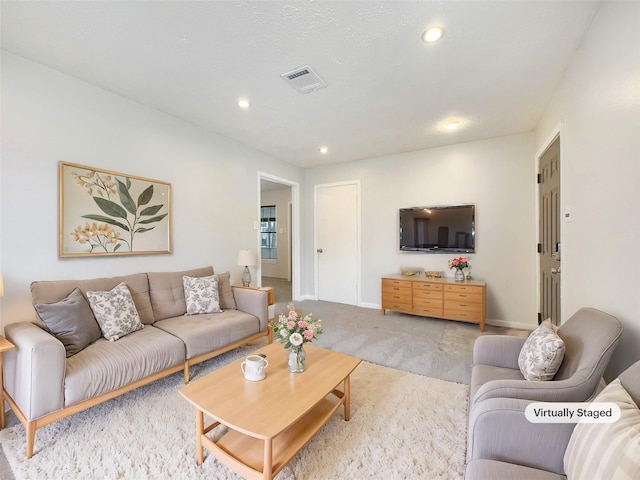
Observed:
{"x":598,"y":104}
{"x":48,"y":116}
{"x":497,"y":175}
{"x":279,"y":268}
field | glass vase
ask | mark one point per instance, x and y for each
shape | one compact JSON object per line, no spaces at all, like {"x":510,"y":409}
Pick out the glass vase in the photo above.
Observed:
{"x":296,"y":356}
{"x":459,"y":277}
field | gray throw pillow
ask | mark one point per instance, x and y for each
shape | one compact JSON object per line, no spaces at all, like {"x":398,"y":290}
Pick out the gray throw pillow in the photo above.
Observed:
{"x":225,"y":292}
{"x":71,"y":321}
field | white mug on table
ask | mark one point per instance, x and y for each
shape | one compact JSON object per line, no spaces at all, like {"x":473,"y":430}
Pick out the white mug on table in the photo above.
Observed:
{"x":253,"y":367}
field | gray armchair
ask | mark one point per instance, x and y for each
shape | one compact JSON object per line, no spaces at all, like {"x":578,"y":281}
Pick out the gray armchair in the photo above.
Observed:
{"x":503,"y":444}
{"x":590,"y":337}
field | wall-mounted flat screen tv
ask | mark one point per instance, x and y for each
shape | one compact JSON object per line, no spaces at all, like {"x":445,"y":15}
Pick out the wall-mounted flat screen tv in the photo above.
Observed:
{"x":441,"y":229}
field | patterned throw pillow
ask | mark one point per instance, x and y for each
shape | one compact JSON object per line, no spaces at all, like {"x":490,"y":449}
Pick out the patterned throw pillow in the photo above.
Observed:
{"x":115,"y":312}
{"x":542,"y":353}
{"x":201,"y":294}
{"x":607,"y":450}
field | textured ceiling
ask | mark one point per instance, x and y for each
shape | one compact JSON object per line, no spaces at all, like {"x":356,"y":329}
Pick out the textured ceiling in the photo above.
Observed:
{"x":495,"y":69}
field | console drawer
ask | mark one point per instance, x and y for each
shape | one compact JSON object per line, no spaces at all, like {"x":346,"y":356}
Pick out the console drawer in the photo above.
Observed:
{"x":426,"y":287}
{"x":463,"y":315}
{"x":464,"y":307}
{"x":394,"y":287}
{"x":428,"y":311}
{"x":427,"y":302}
{"x":468,"y":289}
{"x":462,"y":297}
{"x":437,"y":294}
{"x":396,"y":298}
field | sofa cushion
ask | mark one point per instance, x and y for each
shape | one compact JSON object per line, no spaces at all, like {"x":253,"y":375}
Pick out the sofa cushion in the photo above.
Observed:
{"x":167,"y":291}
{"x":481,"y":469}
{"x":542,"y":353}
{"x":210,"y":331}
{"x":115,"y":312}
{"x":227,"y":300}
{"x":55,"y":290}
{"x":106,"y":366}
{"x":607,"y":450}
{"x":71,"y":321}
{"x":201,"y":294}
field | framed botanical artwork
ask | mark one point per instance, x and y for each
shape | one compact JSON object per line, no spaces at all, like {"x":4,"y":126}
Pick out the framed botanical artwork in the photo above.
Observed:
{"x":110,"y":213}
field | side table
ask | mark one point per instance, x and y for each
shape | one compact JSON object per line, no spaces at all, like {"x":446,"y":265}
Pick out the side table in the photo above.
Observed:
{"x":4,"y":346}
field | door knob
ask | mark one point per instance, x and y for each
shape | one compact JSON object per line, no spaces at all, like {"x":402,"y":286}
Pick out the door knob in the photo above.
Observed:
{"x":319,"y":250}
{"x":555,"y":270}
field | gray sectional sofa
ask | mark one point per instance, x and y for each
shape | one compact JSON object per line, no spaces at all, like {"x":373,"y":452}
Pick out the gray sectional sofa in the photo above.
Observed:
{"x":48,"y":377}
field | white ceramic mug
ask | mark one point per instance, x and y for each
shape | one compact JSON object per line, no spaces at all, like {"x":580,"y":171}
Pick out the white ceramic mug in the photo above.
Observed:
{"x":253,"y":367}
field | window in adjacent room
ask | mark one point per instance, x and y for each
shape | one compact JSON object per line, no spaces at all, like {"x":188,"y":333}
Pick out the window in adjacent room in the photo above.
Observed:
{"x":268,"y":232}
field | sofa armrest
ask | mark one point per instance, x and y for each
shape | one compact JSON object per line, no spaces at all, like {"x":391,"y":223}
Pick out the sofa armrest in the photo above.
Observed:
{"x":497,"y":350}
{"x":255,"y":302}
{"x":34,"y":371}
{"x":499,"y":430}
{"x":578,"y":388}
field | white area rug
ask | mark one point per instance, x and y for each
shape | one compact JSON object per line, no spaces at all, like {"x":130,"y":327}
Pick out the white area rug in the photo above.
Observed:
{"x":403,"y":426}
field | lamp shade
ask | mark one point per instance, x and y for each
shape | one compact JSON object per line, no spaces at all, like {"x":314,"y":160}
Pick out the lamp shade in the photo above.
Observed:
{"x":247,"y":258}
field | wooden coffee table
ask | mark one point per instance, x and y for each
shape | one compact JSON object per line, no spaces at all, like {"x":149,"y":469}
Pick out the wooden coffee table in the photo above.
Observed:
{"x":270,"y":421}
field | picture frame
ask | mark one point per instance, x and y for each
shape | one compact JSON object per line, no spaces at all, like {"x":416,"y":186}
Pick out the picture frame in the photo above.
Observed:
{"x":105,"y":213}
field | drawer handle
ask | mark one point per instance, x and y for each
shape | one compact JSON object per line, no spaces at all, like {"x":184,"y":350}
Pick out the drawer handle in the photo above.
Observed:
{"x":463,"y":304}
{"x":463,"y":295}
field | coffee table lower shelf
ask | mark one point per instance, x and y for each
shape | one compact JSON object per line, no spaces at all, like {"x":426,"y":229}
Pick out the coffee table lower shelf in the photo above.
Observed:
{"x":256,"y":458}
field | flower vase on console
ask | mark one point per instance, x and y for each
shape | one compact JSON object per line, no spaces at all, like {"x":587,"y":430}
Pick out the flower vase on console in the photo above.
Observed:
{"x":459,"y":264}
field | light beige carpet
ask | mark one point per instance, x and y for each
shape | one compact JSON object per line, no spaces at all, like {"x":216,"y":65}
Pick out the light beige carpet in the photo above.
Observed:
{"x":403,"y":426}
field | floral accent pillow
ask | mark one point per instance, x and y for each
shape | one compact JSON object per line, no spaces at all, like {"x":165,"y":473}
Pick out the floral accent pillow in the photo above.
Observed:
{"x":542,"y":353}
{"x":115,"y":312}
{"x":201,"y":294}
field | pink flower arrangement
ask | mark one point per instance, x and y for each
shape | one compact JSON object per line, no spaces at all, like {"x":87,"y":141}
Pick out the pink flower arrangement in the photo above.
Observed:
{"x":291,"y":331}
{"x":459,"y":263}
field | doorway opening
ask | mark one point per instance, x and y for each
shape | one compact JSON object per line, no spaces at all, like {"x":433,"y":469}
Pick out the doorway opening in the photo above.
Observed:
{"x":279,"y":237}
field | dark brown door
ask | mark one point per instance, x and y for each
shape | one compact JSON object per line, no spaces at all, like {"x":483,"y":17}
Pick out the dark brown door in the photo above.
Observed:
{"x":550,"y":244}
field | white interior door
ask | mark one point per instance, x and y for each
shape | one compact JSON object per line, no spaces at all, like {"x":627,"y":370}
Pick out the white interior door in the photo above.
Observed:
{"x":337,"y":215}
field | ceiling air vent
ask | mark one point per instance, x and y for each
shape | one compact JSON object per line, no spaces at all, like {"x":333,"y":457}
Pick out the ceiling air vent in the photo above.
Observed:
{"x":304,"y":80}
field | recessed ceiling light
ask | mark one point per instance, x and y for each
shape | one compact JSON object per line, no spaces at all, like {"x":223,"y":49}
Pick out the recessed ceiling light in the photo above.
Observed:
{"x":244,"y":103}
{"x":452,"y":125}
{"x":432,"y":34}
{"x":324,"y":149}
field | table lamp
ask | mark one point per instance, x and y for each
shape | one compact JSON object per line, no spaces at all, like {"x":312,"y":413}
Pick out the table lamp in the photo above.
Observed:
{"x":247,"y":258}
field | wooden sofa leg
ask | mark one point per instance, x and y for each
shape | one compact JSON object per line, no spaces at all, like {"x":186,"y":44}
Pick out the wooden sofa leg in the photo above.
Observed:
{"x":30,"y":429}
{"x":186,"y":372}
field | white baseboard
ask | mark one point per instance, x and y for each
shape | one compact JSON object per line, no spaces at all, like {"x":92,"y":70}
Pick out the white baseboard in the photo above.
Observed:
{"x":371,"y":305}
{"x":306,"y":297}
{"x":508,"y":324}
